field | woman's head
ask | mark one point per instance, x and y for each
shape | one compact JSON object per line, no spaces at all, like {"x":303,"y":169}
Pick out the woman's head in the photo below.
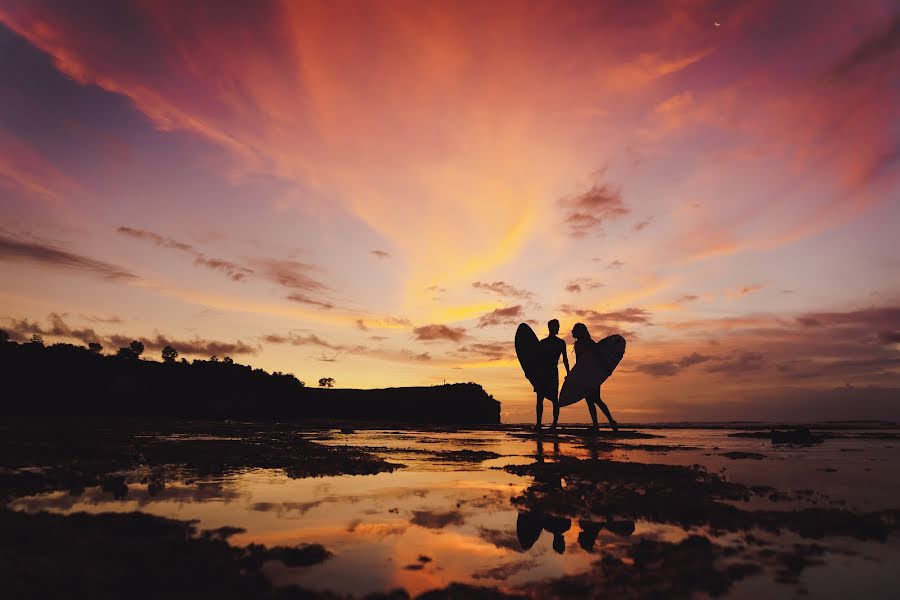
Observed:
{"x":580,"y":331}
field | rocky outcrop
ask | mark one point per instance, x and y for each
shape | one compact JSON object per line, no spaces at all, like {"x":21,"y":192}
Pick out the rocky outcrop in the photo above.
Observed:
{"x":457,"y":403}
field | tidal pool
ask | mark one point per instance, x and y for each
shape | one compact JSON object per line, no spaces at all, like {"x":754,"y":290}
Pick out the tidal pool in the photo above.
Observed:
{"x":455,"y":513}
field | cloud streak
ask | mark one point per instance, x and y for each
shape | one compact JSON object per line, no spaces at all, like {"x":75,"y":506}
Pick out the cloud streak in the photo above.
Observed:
{"x":501,"y":288}
{"x":232,"y":270}
{"x":434,"y":332}
{"x":507,"y":315}
{"x":580,"y":284}
{"x":16,"y":250}
{"x":291,"y":274}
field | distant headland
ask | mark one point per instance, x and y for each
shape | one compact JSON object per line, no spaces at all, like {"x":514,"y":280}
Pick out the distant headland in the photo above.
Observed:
{"x":64,"y":379}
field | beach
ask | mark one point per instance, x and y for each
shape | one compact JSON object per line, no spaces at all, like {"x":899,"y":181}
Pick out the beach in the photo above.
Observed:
{"x":673,"y":510}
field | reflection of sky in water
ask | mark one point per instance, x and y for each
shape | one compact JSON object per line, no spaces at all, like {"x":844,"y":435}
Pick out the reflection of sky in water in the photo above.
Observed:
{"x":441,"y":519}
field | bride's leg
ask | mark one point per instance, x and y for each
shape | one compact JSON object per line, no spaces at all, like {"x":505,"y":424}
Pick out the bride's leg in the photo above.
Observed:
{"x":599,"y":402}
{"x":593,"y":412}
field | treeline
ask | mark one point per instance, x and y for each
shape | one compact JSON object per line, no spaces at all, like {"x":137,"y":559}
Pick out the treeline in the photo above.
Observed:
{"x":66,"y":379}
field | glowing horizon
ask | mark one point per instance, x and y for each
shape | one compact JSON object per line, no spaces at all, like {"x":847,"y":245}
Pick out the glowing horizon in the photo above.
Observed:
{"x":379,"y":192}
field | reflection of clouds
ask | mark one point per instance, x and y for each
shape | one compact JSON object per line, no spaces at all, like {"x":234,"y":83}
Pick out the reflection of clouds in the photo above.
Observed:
{"x":284,"y":508}
{"x":206,"y":491}
{"x":503,"y":572}
{"x":492,"y":499}
{"x":54,"y":501}
{"x":500,"y":538}
{"x":436,"y":520}
{"x":281,"y":508}
{"x":378,"y":530}
{"x":416,"y":493}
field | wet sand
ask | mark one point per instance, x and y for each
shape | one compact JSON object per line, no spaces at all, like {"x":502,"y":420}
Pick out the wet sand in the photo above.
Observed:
{"x":287,"y":510}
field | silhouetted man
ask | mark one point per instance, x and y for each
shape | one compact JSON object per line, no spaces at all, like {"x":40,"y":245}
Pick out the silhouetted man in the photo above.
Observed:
{"x":552,"y":347}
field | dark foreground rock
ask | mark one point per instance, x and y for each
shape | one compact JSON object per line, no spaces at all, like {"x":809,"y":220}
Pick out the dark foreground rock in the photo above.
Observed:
{"x":42,"y":455}
{"x":656,"y":569}
{"x":599,"y":493}
{"x":130,"y":555}
{"x":800,"y":436}
{"x":139,"y":556}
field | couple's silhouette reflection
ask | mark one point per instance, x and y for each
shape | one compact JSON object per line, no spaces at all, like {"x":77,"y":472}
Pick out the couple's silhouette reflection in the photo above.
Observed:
{"x":530,"y":524}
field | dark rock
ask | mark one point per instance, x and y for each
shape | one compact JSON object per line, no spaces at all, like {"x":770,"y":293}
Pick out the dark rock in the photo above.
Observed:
{"x":738,"y":455}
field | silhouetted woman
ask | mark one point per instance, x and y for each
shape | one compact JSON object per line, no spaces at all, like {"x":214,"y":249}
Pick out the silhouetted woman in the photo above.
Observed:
{"x":585,"y":350}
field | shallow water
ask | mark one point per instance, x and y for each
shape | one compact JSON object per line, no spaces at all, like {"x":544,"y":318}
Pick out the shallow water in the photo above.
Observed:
{"x":447,"y":515}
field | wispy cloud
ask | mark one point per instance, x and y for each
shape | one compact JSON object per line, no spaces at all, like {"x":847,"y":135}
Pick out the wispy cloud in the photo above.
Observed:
{"x":580,"y":284}
{"x":488,"y":350}
{"x":665,"y":368}
{"x":231,"y":269}
{"x":587,"y":212}
{"x":880,"y":48}
{"x":626,"y":315}
{"x":641,"y":225}
{"x":295,"y":339}
{"x":16,"y":250}
{"x":305,"y":299}
{"x":382,"y":323}
{"x":291,"y":274}
{"x":889,"y":337}
{"x":502,"y":288}
{"x":507,"y":315}
{"x":439,"y":332}
{"x":739,"y":364}
{"x":312,"y":340}
{"x":670,"y":368}
{"x":745,"y":290}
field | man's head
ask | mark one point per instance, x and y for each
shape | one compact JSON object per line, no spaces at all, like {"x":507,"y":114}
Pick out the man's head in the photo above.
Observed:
{"x":553,"y":326}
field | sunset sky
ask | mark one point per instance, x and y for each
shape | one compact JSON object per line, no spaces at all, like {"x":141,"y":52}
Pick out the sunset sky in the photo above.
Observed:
{"x":379,"y":192}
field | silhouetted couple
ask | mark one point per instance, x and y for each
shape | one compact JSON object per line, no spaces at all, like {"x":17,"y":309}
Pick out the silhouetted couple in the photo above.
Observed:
{"x":554,"y":347}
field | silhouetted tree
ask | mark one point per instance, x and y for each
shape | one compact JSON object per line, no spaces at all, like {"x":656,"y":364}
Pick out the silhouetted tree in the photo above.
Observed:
{"x":326,"y":382}
{"x":169,"y":354}
{"x":4,"y":337}
{"x":37,"y":339}
{"x":95,"y":347}
{"x":136,"y":347}
{"x":228,"y":360}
